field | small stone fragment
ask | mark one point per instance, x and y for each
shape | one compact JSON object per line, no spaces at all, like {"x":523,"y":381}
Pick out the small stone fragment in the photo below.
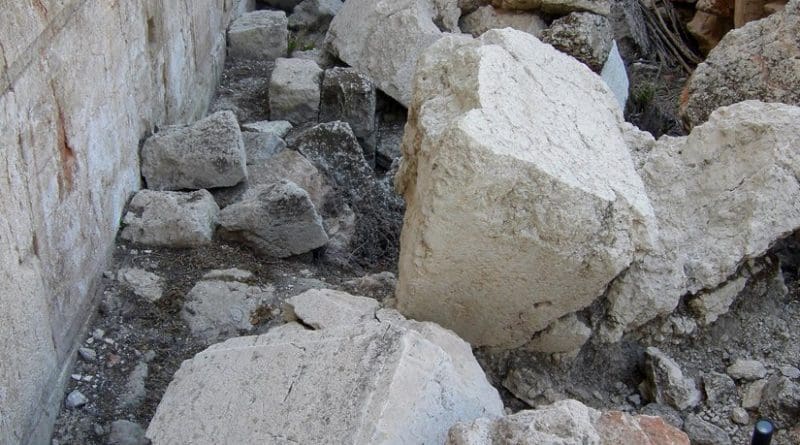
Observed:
{"x":747,"y":370}
{"x":325,"y":308}
{"x":585,"y":36}
{"x":76,"y":399}
{"x":705,"y":433}
{"x":790,"y":372}
{"x":665,"y":382}
{"x":87,"y":354}
{"x":751,"y":394}
{"x":719,"y":388}
{"x":134,"y":388}
{"x":487,"y":17}
{"x":739,"y":416}
{"x":142,"y":283}
{"x":566,"y":334}
{"x":780,"y":401}
{"x":712,"y":304}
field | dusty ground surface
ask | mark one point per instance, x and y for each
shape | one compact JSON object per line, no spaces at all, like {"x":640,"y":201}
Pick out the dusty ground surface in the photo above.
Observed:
{"x":129,"y":330}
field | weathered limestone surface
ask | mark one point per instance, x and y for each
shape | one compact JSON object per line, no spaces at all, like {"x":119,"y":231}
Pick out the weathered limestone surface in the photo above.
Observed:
{"x":567,"y":422}
{"x":208,"y":153}
{"x":759,"y":61}
{"x":522,"y":198}
{"x":173,"y":219}
{"x":722,"y":195}
{"x":387,"y":380}
{"x":277,"y":219}
{"x":384,"y":38}
{"x":81,"y":83}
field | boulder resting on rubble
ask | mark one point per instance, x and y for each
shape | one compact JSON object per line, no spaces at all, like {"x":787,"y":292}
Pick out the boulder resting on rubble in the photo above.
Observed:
{"x":384,"y":380}
{"x":522,"y":198}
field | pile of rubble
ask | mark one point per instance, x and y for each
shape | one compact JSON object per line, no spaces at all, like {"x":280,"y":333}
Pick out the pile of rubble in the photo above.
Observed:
{"x":537,"y":225}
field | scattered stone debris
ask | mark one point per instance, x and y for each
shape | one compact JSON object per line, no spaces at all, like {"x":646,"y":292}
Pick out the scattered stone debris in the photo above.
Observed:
{"x":143,"y":283}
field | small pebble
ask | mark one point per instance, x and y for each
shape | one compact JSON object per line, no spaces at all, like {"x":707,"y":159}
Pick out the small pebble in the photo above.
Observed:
{"x":87,"y":354}
{"x":76,"y":377}
{"x":740,"y":416}
{"x":76,"y":399}
{"x":98,"y":334}
{"x":790,"y":372}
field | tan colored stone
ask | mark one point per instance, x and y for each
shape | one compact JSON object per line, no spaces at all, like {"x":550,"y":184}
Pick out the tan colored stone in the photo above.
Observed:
{"x":708,"y":29}
{"x":746,"y":11}
{"x":720,"y":8}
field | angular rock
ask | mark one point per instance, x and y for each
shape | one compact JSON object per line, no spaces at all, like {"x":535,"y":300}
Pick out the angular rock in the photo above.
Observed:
{"x":487,"y":17}
{"x":278,"y":128}
{"x":349,"y":96}
{"x":780,"y":402}
{"x":585,"y":36}
{"x":556,"y":7}
{"x":378,"y":285}
{"x":712,"y":304}
{"x":145,"y":284}
{"x":374,"y":382}
{"x":740,"y":416}
{"x":567,"y":334}
{"x":666,"y":412}
{"x":752,"y":394}
{"x":722,"y":195}
{"x":259,"y":35}
{"x":209,"y":153}
{"x":384,"y":38}
{"x":334,"y":150}
{"x":326,"y":308}
{"x":218,"y":309}
{"x":705,"y":433}
{"x":531,"y":385}
{"x":314,"y":14}
{"x":665,"y":382}
{"x":244,"y":89}
{"x":567,"y":422}
{"x":522,"y":198}
{"x":719,"y":388}
{"x":76,"y":399}
{"x":125,"y":432}
{"x":261,"y":146}
{"x":747,"y":370}
{"x":277,"y":219}
{"x":171,"y":219}
{"x":294,"y":91}
{"x":758,"y":61}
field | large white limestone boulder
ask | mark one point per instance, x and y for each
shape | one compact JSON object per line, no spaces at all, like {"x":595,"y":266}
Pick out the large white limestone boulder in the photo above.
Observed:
{"x":381,"y":381}
{"x":722,"y":195}
{"x":384,"y":38}
{"x":522,"y":199}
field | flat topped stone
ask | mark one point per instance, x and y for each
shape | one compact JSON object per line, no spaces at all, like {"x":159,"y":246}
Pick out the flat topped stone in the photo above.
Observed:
{"x":370,"y":383}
